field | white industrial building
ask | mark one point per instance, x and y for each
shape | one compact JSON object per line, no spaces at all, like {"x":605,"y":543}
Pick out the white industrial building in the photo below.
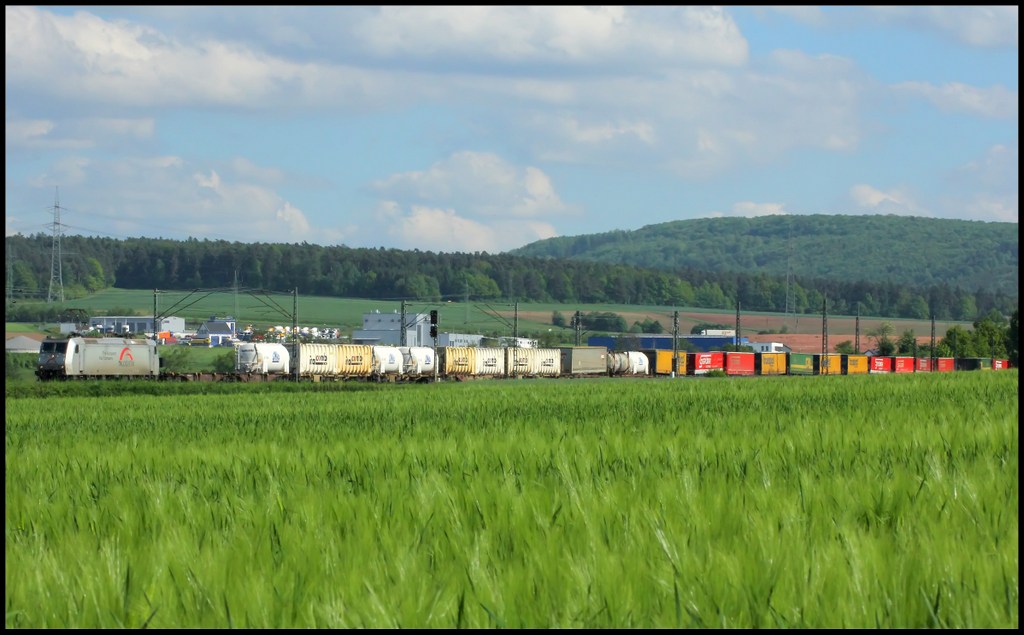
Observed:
{"x":459,"y":339}
{"x":386,"y":329}
{"x":769,"y":347}
{"x":120,"y":324}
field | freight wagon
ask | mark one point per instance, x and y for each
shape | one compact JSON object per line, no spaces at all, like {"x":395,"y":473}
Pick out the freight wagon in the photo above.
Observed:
{"x":628,"y":363}
{"x":739,"y":363}
{"x":879,"y":365}
{"x":533,"y":362}
{"x":933,"y":364}
{"x":418,"y":362}
{"x":800,"y":363}
{"x":660,"y":362}
{"x":770,"y":363}
{"x":387,"y":362}
{"x":262,"y":357}
{"x":854,"y":364}
{"x":944,"y":364}
{"x":902,"y":364}
{"x":831,"y":364}
{"x":704,"y":363}
{"x":974,"y":363}
{"x":577,"y":361}
{"x":472,"y":361}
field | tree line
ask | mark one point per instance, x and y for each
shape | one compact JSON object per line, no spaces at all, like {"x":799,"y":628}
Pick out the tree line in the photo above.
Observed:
{"x":93,"y":263}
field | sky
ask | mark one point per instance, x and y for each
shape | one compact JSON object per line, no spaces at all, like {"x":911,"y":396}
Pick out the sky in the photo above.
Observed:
{"x":483,"y":129}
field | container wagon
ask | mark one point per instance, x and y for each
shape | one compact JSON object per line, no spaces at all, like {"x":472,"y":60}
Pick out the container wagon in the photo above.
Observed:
{"x":471,"y":361}
{"x":660,"y":361}
{"x":974,"y":363}
{"x":418,"y":362}
{"x":579,"y":361}
{"x":854,"y":364}
{"x":902,"y":364}
{"x":800,"y":363}
{"x":739,"y":363}
{"x":830,"y":364}
{"x":628,"y":363}
{"x":770,"y":363}
{"x":387,"y":362}
{"x":533,"y":362}
{"x":879,"y":365}
{"x":944,"y":364}
{"x":704,"y":363}
{"x":262,"y":357}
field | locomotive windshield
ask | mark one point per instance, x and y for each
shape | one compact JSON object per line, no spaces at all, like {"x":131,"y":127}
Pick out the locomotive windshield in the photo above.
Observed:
{"x":53,"y":348}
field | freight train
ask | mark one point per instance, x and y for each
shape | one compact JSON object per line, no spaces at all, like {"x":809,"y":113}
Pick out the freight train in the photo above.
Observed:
{"x":110,"y":357}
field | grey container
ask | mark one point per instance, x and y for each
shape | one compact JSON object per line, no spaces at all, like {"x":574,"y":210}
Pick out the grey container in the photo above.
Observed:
{"x":584,"y":360}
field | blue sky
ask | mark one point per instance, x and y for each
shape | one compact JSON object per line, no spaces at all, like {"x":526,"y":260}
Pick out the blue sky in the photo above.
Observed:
{"x":486,"y":128}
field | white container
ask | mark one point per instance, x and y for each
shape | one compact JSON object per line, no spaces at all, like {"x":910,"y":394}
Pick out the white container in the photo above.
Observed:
{"x":418,"y":361}
{"x":387,"y":361}
{"x":533,"y":362}
{"x":628,"y":363}
{"x":262,"y":357}
{"x":490,"y":362}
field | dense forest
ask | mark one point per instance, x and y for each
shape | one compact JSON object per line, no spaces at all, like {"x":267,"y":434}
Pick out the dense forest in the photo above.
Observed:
{"x":919,"y":253}
{"x":89,"y":264}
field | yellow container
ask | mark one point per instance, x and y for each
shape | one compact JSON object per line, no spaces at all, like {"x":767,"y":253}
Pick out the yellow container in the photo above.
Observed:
{"x":662,"y":362}
{"x":831,"y":364}
{"x":458,"y":360}
{"x":770,"y":364}
{"x":855,"y":364}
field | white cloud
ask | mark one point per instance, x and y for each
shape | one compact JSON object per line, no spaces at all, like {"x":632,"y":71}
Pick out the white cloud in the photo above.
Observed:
{"x":478,"y":184}
{"x":607,"y":131}
{"x":978,"y":26}
{"x":985,"y":27}
{"x":875,"y":201}
{"x":87,"y":59}
{"x":471,"y":201}
{"x":167,"y":196}
{"x":443,"y":230}
{"x":987,"y":188}
{"x":590,"y":36}
{"x":751,"y":209}
{"x":996,"y":102}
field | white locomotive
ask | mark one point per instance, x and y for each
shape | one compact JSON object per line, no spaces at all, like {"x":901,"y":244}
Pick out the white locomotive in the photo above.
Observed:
{"x":83,"y":357}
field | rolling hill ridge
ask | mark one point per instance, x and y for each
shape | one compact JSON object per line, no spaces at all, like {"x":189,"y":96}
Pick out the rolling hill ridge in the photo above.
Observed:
{"x":913,"y":251}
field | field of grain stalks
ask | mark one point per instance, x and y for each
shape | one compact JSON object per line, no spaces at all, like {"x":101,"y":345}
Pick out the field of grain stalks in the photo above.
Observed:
{"x":879,"y":501}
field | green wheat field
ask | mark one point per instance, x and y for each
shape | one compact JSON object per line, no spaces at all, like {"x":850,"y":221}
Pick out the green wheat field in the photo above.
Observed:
{"x":769,"y":502}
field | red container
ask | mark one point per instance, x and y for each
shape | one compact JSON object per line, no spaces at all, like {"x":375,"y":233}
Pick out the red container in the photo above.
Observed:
{"x":923,"y":364}
{"x":944,"y":364}
{"x":880,"y":365}
{"x":902,"y":364}
{"x":703,"y":363}
{"x":1000,"y":364}
{"x":739,"y":363}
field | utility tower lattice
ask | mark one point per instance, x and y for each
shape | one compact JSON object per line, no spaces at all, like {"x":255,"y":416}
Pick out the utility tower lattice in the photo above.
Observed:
{"x":56,"y":271}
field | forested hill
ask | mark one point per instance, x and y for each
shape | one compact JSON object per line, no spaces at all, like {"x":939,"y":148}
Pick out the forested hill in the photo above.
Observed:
{"x":913,"y":251}
{"x":89,"y":264}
